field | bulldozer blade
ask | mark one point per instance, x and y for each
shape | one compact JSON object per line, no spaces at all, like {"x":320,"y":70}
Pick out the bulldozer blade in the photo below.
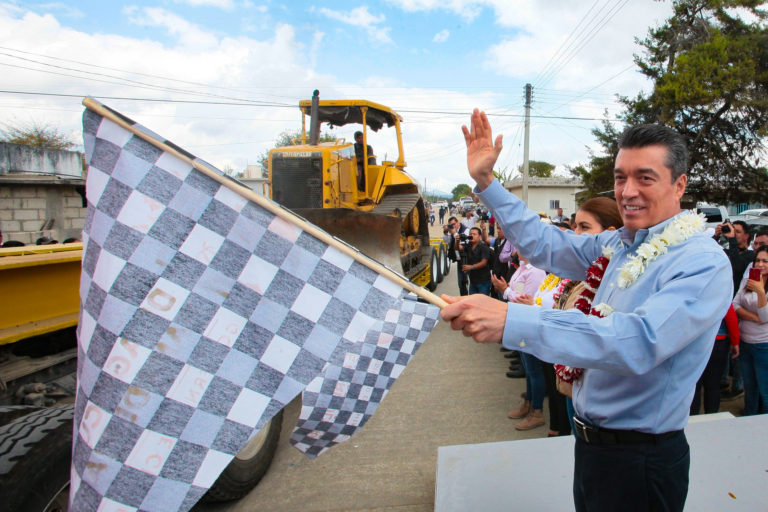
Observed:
{"x":376,"y":236}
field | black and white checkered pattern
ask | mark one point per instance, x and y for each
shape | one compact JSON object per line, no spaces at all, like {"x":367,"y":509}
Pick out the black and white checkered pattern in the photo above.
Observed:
{"x":338,"y":403}
{"x":202,"y":316}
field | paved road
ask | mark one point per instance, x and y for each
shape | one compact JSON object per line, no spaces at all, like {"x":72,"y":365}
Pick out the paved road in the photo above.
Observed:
{"x":453,"y":392}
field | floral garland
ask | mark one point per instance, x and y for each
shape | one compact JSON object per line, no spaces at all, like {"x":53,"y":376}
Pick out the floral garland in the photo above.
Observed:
{"x":678,"y":231}
{"x":560,"y":289}
{"x":584,"y":304}
{"x":549,"y":283}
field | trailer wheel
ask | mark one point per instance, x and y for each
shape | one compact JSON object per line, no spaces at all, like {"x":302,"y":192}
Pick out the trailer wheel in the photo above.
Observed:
{"x":433,"y":270}
{"x":35,"y":457}
{"x":446,"y":262}
{"x":9,"y":413}
{"x":441,"y":264}
{"x":249,"y":465}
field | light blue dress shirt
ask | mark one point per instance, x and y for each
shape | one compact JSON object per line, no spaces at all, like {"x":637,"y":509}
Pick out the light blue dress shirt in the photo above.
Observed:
{"x":644,"y":359}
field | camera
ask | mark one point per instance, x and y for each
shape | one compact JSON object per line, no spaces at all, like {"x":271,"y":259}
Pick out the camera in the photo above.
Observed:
{"x":725,"y":228}
{"x":464,"y":238}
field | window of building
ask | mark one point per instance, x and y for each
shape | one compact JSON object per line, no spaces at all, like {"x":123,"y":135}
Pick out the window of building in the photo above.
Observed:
{"x":554,"y":204}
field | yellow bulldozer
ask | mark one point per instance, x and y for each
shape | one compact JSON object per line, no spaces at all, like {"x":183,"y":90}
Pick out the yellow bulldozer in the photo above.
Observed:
{"x":337,"y":185}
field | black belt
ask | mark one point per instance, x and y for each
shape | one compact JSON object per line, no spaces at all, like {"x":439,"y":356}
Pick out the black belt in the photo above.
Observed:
{"x":596,"y":435}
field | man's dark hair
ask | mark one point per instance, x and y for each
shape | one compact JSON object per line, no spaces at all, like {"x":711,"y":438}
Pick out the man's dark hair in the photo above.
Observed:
{"x":358,"y":133}
{"x":745,"y":227}
{"x":478,"y":231}
{"x":452,"y":218}
{"x":760,"y":232}
{"x":644,"y":135}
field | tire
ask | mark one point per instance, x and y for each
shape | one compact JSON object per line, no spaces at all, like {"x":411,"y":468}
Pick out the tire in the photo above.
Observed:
{"x":35,"y":458}
{"x":433,"y":270}
{"x":249,"y":466}
{"x":9,"y":413}
{"x":440,"y":264}
{"x":446,"y":263}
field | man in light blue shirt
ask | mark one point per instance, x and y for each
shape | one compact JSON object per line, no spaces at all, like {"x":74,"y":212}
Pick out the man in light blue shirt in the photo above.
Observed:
{"x":643,"y":359}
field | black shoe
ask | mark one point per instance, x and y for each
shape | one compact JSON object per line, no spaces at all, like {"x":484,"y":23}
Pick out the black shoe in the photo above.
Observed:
{"x":512,"y":355}
{"x":516,"y":374}
{"x":505,"y":349}
{"x":515,"y":366}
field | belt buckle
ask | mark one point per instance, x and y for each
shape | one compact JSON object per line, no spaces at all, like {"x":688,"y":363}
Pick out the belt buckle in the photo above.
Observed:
{"x":583,"y":428}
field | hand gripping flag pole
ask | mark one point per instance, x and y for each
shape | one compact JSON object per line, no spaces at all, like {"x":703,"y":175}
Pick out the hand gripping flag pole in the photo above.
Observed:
{"x":205,"y":309}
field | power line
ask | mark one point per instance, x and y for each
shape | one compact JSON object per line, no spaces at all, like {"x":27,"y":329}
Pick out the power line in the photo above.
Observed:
{"x":545,"y":78}
{"x":134,"y":72}
{"x":550,"y":61}
{"x":595,"y":87}
{"x":122,"y":81}
{"x":159,"y":100}
{"x":284,"y":105}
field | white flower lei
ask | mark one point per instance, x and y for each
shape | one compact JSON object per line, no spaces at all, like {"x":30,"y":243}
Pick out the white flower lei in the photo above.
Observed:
{"x":676,"y":232}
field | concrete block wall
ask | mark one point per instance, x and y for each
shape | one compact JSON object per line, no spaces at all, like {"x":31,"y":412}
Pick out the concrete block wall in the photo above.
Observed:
{"x":29,"y":211}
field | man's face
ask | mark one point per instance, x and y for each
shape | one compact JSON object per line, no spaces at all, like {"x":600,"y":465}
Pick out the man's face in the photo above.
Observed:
{"x":742,"y":237}
{"x":559,"y":211}
{"x":454,"y":224}
{"x":475,"y":236}
{"x":760,"y":241}
{"x":359,"y":138}
{"x":643,"y":186}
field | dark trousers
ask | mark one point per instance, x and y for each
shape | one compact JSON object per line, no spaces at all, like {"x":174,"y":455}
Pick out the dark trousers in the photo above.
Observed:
{"x":463,"y":280}
{"x":558,"y":411}
{"x":632,"y":477}
{"x":710,"y":379}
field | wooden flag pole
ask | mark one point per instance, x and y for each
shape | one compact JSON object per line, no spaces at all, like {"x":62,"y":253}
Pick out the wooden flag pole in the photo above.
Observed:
{"x":270,"y":206}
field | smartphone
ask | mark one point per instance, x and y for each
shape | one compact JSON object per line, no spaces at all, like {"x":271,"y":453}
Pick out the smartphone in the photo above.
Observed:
{"x":754,"y":274}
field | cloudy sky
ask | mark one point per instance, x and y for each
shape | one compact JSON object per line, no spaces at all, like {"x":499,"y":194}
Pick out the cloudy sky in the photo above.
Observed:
{"x":222,"y":78}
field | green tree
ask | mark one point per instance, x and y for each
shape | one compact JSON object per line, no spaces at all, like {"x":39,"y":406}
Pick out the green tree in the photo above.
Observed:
{"x":38,"y":135}
{"x":709,"y":68}
{"x":503,"y":174}
{"x":538,"y":169}
{"x":597,"y":176}
{"x":286,"y":138}
{"x":461,"y":190}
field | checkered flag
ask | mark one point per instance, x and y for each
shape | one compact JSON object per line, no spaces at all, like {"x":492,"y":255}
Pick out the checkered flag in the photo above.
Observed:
{"x":338,"y":403}
{"x":202,"y":315}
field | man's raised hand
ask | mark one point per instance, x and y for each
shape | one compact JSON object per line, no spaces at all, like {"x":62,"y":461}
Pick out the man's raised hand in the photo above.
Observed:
{"x":482,"y":150}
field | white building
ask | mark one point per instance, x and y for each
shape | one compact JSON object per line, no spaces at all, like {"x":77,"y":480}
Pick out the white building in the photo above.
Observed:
{"x":548,"y":194}
{"x":255,"y":179}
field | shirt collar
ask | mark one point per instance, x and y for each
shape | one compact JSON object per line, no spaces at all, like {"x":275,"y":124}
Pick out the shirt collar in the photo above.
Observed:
{"x":630,"y":238}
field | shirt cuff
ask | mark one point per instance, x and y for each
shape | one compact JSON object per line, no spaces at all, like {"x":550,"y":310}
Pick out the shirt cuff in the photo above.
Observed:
{"x":492,"y":192}
{"x":521,"y":327}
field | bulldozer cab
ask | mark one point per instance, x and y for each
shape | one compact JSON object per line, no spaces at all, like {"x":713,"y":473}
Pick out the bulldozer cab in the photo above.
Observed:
{"x":374,"y":206}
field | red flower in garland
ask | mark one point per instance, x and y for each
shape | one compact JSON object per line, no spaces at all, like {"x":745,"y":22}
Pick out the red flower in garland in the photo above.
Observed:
{"x":584,"y":304}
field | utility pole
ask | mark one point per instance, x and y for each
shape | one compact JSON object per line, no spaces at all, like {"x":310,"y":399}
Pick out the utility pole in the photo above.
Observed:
{"x":526,"y":142}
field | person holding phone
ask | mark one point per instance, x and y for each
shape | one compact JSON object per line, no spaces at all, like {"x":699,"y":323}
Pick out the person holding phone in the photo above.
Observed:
{"x":751,"y":307}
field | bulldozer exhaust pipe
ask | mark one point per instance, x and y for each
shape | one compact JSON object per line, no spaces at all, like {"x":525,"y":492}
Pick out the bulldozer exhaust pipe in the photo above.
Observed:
{"x":314,"y":123}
